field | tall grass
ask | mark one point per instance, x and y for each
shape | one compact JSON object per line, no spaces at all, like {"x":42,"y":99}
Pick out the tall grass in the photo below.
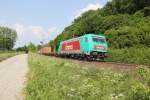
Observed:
{"x":54,"y":79}
{"x":130,"y":55}
{"x":7,"y":54}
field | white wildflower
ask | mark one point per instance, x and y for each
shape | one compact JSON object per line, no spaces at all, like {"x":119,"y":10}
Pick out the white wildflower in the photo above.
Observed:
{"x":72,"y":89}
{"x":120,"y":95}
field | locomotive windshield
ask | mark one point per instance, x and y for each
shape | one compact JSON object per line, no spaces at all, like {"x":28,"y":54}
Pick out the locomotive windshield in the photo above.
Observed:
{"x":99,"y":40}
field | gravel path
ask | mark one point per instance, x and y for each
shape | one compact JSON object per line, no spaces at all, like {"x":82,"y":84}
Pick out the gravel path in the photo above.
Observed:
{"x":12,"y":77}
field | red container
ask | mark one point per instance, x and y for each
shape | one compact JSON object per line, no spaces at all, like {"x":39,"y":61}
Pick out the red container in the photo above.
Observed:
{"x":45,"y":50}
{"x":71,"y":46}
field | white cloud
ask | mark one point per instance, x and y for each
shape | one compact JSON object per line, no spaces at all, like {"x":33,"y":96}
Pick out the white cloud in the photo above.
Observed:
{"x":19,"y":28}
{"x":32,"y":33}
{"x":36,"y":29}
{"x":87,"y":8}
{"x":51,"y":29}
{"x":92,"y":7}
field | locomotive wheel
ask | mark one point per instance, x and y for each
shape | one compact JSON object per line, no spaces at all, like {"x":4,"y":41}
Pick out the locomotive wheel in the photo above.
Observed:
{"x":103,"y":59}
{"x":89,"y":58}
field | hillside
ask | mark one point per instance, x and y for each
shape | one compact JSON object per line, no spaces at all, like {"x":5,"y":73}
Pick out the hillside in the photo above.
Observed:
{"x":125,"y":23}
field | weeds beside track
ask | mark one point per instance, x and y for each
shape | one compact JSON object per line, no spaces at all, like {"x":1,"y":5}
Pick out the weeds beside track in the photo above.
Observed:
{"x":51,"y":78}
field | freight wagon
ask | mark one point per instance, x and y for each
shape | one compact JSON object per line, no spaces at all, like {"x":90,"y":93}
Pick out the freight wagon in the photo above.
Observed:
{"x":45,"y":51}
{"x":89,"y":46}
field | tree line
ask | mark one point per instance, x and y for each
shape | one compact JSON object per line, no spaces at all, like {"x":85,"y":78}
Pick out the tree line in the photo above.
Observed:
{"x":8,"y":38}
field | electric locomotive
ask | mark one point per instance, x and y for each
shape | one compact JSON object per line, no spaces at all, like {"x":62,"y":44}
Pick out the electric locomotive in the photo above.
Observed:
{"x":88,"y":46}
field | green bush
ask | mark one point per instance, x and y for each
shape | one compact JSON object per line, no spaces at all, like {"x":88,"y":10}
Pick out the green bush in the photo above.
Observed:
{"x":123,"y":30}
{"x":130,"y":55}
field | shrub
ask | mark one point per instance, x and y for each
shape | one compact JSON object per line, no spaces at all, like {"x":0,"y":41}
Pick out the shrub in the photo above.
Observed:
{"x":130,"y":55}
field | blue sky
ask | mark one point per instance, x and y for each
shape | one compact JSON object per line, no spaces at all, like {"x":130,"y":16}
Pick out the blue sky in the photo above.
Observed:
{"x":42,"y":20}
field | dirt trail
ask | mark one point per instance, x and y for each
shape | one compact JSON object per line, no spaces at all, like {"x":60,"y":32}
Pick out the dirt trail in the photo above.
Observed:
{"x":12,"y":77}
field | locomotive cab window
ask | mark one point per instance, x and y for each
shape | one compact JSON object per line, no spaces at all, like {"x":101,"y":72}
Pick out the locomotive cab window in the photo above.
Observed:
{"x":98,"y":40}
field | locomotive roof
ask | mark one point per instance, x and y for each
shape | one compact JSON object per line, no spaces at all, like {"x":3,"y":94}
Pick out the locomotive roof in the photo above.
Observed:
{"x":73,"y":39}
{"x":77,"y":38}
{"x":95,"y":35}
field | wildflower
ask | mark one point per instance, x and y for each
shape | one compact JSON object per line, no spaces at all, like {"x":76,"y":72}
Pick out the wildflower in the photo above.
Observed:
{"x":72,"y":89}
{"x":70,"y":95}
{"x":116,"y":96}
{"x":120,"y":95}
{"x":89,"y":85}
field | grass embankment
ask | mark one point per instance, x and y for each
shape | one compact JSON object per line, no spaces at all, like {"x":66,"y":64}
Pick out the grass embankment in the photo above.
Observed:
{"x":130,"y":56}
{"x":7,"y":54}
{"x":53,"y":79}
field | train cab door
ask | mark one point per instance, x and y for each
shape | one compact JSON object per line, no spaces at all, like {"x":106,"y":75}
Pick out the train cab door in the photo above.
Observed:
{"x":85,"y":44}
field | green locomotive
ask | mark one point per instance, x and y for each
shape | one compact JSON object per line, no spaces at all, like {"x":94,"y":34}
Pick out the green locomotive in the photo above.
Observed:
{"x":88,"y":46}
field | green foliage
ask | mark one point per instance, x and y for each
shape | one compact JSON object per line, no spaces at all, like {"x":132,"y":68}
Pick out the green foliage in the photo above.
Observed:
{"x":144,"y":72}
{"x":135,"y":33}
{"x":146,"y":11}
{"x":7,"y":38}
{"x":124,"y":6}
{"x":24,"y":48}
{"x":54,"y":79}
{"x":32,"y":48}
{"x":124,"y":22}
{"x":141,"y":88}
{"x":7,"y":54}
{"x":130,"y":55}
{"x":124,"y":37}
{"x":115,"y":7}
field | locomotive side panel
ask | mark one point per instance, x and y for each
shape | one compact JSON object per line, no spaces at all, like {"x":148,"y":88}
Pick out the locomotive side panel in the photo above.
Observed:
{"x":71,"y":47}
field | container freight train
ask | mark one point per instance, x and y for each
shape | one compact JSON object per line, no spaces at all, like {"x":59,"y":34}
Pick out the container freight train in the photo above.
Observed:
{"x":89,"y":46}
{"x":45,"y":51}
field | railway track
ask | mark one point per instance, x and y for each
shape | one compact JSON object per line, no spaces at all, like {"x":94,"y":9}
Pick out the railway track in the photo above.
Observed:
{"x":108,"y":65}
{"x":123,"y":67}
{"x":99,"y":64}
